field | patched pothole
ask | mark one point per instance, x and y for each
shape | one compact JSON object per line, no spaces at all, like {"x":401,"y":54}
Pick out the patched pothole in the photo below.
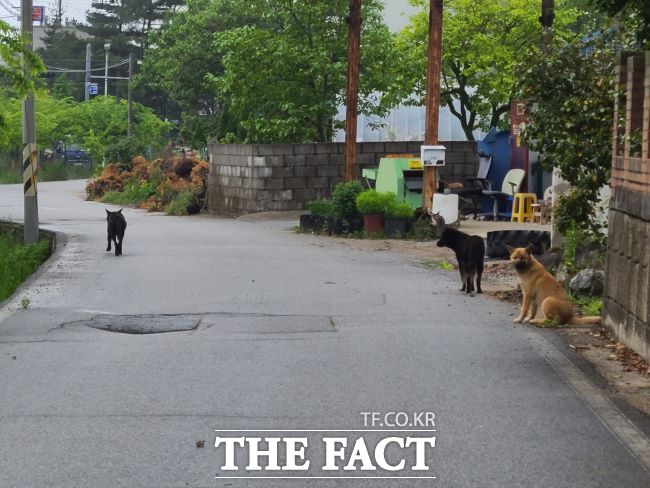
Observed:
{"x":143,"y":324}
{"x":212,"y":323}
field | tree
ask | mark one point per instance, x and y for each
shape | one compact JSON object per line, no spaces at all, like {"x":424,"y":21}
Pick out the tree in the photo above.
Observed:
{"x":484,"y":42}
{"x":267,"y":70}
{"x":180,"y":57}
{"x":127,"y":25}
{"x":636,"y":12}
{"x":12,"y":74}
{"x":95,"y":125}
{"x":570,"y":93}
{"x":64,"y":49}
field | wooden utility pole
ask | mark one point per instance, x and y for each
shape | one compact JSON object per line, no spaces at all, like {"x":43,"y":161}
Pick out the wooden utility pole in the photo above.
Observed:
{"x":354,"y":41}
{"x":433,"y":96}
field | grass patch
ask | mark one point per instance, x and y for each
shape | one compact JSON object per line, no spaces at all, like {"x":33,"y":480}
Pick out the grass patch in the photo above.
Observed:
{"x":18,"y":262}
{"x":442,"y":264}
{"x":588,"y":305}
{"x":46,"y":172}
{"x":134,"y":193}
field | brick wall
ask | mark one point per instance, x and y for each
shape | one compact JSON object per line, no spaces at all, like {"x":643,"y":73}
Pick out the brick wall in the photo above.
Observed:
{"x":246,"y":178}
{"x":627,"y":288}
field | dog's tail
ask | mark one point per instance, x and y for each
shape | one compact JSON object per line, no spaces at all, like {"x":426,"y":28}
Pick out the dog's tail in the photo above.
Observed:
{"x":590,"y":319}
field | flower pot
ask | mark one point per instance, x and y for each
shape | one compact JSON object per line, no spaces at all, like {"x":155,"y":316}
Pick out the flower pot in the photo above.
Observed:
{"x":354,"y":225}
{"x":397,"y":226}
{"x":373,"y":223}
{"x":307,"y":221}
{"x":320,"y":221}
{"x":336,"y":226}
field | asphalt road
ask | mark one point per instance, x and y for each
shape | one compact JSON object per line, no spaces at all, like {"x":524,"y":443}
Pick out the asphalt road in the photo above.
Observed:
{"x":280,"y":333}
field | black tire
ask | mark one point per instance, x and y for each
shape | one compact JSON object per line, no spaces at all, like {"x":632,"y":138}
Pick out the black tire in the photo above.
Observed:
{"x":498,"y":240}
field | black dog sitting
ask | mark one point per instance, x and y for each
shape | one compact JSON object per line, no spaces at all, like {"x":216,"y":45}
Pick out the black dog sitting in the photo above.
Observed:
{"x":470,"y":251}
{"x":116,"y":228}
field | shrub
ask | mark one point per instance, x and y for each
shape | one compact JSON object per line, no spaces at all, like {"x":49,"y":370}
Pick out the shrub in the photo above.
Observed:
{"x":123,"y":152}
{"x":321,"y":206}
{"x":400,"y":211}
{"x":344,"y":199}
{"x":372,"y":201}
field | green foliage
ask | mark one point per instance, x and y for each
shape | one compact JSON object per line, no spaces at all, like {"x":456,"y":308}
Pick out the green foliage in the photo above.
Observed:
{"x":588,"y":305}
{"x":46,"y":172}
{"x":25,"y":302}
{"x":321,"y":206}
{"x":484,"y":42}
{"x":570,"y":89}
{"x":266,"y":70}
{"x":95,"y":125}
{"x":12,"y":54}
{"x":180,"y":203}
{"x":634,"y":13}
{"x":344,"y":199}
{"x":134,"y":193}
{"x":372,"y":201}
{"x":400,"y":210}
{"x":18,"y":262}
{"x":123,"y":151}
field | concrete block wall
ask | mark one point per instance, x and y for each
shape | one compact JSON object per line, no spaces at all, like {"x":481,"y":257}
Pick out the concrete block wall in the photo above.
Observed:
{"x":246,"y":178}
{"x":626,"y":300}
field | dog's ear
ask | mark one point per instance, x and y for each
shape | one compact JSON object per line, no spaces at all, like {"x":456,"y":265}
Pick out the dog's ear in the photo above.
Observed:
{"x":510,"y":249}
{"x":529,"y":249}
{"x":107,"y":212}
{"x":120,"y":211}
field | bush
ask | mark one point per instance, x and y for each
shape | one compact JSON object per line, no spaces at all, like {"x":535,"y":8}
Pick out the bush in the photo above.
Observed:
{"x":372,"y":201}
{"x":321,"y":206}
{"x":155,"y":186}
{"x":400,"y":211}
{"x":123,"y":152}
{"x":344,"y":199}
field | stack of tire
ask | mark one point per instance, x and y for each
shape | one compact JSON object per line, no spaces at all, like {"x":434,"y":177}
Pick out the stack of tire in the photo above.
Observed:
{"x":498,"y":240}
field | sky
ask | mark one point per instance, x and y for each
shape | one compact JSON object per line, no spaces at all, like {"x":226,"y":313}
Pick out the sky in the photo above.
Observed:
{"x":76,"y":9}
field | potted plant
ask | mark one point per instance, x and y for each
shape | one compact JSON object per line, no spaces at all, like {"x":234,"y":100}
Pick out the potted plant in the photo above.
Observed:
{"x":320,"y":210}
{"x":372,"y":205}
{"x":398,"y":220}
{"x":345,"y":217}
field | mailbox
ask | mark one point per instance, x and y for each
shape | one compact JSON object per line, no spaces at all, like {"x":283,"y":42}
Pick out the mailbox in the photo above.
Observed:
{"x":432,"y":155}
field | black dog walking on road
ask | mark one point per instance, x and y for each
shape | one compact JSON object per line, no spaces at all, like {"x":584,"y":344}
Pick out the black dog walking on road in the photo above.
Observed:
{"x":116,"y":228}
{"x":470,"y":251}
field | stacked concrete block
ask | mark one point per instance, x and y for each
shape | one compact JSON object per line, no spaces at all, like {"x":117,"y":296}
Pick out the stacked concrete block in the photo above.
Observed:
{"x":262,"y":177}
{"x":627,"y":285}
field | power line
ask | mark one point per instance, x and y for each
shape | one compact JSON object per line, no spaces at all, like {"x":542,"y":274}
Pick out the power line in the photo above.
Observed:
{"x":56,"y":69}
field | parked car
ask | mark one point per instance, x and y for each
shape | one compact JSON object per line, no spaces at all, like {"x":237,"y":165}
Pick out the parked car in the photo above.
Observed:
{"x":73,"y":153}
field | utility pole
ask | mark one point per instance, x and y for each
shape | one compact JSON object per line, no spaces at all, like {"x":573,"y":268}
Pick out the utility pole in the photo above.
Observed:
{"x":130,"y":98}
{"x":107,"y":47}
{"x":30,"y":155}
{"x":354,"y":41}
{"x":433,"y":97}
{"x":87,"y":83}
{"x":59,"y":13}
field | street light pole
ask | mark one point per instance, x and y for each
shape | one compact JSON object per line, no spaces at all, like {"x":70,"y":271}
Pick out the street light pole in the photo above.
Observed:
{"x":87,"y":83}
{"x":107,"y":48}
{"x":30,"y":155}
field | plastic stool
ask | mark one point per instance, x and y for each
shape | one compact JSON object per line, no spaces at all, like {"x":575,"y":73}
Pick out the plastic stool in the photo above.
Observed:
{"x":540,"y":212}
{"x":522,"y":207}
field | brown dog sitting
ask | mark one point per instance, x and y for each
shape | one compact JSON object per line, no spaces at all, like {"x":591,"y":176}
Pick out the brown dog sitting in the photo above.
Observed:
{"x":540,"y":288}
